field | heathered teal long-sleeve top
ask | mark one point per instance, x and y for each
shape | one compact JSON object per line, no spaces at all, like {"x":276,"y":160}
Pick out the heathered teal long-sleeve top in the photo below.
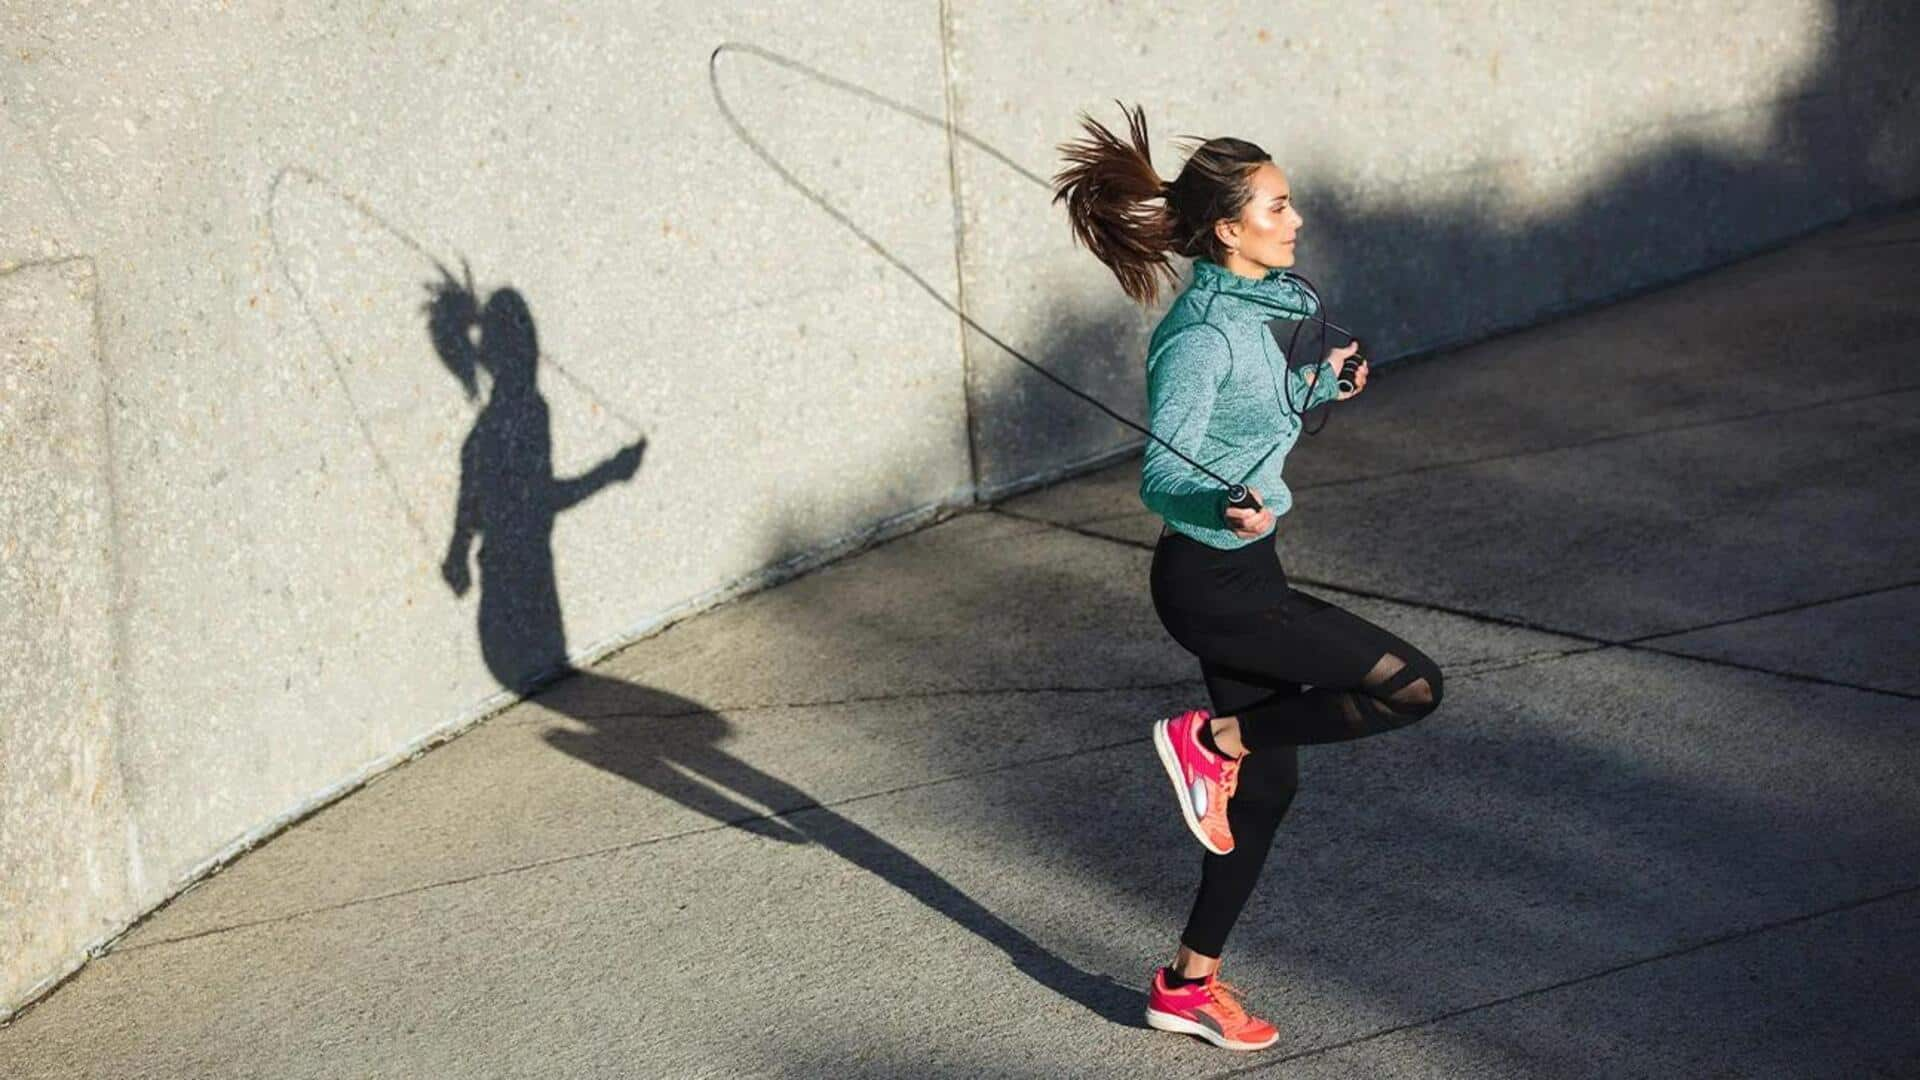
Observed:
{"x":1214,"y":380}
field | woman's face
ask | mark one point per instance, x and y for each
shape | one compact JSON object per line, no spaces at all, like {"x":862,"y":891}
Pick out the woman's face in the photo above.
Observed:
{"x":1264,"y":233}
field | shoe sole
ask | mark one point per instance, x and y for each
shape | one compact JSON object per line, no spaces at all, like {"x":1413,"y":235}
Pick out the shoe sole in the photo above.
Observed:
{"x":1160,"y":1021}
{"x":1163,"y":745}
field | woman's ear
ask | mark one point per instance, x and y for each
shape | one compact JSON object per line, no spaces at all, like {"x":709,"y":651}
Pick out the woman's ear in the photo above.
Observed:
{"x":1228,"y":232}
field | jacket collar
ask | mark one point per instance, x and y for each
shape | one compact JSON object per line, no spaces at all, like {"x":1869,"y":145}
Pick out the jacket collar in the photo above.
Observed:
{"x":1277,"y":291}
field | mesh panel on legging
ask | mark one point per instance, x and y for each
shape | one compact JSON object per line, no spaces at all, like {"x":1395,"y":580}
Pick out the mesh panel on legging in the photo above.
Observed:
{"x":1396,"y":692}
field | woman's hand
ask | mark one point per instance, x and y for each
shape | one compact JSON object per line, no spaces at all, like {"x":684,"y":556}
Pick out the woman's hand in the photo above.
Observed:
{"x":1338,"y":357}
{"x":1247,"y":523}
{"x":627,"y":461}
{"x":453,"y":571}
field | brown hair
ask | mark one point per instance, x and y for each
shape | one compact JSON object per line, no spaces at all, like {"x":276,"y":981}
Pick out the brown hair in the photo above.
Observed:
{"x":1121,"y":211}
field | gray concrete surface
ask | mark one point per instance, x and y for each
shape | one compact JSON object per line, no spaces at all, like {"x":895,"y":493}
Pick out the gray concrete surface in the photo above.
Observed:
{"x":731,"y":242}
{"x":899,"y":816}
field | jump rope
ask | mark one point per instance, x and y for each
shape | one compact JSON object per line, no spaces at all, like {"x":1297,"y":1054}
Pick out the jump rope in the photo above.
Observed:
{"x":1238,"y":496}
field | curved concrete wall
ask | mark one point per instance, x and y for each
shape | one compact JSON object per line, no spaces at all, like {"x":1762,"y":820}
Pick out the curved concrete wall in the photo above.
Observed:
{"x":277,"y":518}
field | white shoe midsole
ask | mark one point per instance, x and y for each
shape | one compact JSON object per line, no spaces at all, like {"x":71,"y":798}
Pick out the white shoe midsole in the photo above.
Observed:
{"x":1160,"y":1021}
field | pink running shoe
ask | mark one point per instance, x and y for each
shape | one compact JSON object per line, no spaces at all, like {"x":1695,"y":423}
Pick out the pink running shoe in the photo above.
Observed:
{"x":1208,"y":1009}
{"x":1202,"y":779}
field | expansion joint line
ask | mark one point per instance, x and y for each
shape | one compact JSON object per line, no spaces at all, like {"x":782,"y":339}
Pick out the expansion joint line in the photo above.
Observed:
{"x":1670,"y":954}
{"x":1638,"y":643}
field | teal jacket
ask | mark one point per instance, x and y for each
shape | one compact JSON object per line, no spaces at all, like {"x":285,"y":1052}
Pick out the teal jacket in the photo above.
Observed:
{"x":1214,"y":378}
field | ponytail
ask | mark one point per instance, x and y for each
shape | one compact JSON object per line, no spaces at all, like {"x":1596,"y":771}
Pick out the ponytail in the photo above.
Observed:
{"x":1116,"y":205}
{"x":1120,"y":209}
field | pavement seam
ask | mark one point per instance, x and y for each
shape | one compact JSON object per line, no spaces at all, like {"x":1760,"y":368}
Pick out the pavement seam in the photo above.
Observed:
{"x":863,"y":699}
{"x":635,"y":844}
{"x":1467,"y":673}
{"x":1623,"y":436}
{"x":1514,"y":455}
{"x":1638,"y":644}
{"x":1787,"y":610}
{"x":1632,"y":644}
{"x":1537,"y":991}
{"x":1796,"y":676}
{"x":1445,"y":609}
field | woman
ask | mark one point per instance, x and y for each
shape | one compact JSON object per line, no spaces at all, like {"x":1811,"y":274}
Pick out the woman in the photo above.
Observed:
{"x":1219,"y":390}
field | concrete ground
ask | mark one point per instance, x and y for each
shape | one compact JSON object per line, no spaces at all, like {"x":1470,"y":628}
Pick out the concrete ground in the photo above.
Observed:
{"x":900,"y":817}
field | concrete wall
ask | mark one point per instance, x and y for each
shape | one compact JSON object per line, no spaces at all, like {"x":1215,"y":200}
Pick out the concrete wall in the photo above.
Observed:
{"x":232,"y":451}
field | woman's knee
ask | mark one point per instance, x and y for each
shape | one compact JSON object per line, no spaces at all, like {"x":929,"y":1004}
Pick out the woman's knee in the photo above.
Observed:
{"x":1424,"y":694}
{"x":1408,"y":682}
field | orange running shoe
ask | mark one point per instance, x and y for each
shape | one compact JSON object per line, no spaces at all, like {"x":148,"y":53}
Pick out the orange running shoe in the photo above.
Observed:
{"x":1202,"y":780}
{"x":1208,"y":1009}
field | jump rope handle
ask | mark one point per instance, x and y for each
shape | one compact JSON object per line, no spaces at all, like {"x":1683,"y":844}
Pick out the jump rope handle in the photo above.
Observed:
{"x":1349,"y":371}
{"x":1239,"y":498}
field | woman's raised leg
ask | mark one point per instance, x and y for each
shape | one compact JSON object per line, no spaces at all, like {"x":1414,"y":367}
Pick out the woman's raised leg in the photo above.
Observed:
{"x":1362,"y":679}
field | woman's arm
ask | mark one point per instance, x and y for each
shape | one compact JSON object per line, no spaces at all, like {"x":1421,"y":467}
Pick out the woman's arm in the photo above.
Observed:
{"x":466,"y":521}
{"x":1184,"y":379}
{"x":621,"y":466}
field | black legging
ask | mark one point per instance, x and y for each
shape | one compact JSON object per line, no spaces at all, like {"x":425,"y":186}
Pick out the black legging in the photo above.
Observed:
{"x":1260,"y":644}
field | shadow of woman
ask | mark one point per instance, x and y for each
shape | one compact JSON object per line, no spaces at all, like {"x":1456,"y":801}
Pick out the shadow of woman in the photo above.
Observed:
{"x":509,"y":496}
{"x":672,"y":746}
{"x":508,"y":501}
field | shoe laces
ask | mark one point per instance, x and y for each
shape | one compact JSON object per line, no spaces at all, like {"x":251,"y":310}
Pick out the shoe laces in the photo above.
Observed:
{"x":1224,"y":994}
